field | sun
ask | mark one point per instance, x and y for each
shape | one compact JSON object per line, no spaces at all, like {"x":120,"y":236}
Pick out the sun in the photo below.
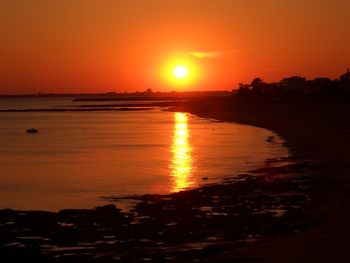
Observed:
{"x":180,"y":72}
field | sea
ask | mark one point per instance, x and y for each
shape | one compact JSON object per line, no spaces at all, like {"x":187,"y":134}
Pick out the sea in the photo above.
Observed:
{"x":79,"y":159}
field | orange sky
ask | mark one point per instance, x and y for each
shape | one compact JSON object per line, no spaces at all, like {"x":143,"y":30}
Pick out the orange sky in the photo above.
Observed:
{"x":123,"y":45}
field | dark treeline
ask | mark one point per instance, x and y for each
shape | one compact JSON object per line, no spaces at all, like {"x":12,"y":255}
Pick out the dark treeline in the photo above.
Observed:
{"x":296,"y":86}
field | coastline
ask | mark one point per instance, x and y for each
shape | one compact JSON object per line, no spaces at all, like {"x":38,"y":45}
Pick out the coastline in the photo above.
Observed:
{"x":265,"y":218}
{"x":319,"y":133}
{"x":203,"y":224}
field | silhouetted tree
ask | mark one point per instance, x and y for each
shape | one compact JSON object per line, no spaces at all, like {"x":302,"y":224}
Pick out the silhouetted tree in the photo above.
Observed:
{"x":258,"y":85}
{"x":243,"y":89}
{"x":297,"y":86}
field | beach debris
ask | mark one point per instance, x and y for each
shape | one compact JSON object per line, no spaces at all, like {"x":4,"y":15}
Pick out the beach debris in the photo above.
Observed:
{"x":32,"y":130}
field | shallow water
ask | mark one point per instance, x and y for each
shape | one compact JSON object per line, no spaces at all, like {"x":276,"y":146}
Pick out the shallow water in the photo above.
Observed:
{"x":79,"y":157}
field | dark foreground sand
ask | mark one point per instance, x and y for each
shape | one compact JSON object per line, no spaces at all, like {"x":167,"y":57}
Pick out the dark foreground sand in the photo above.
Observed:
{"x":292,"y":210}
{"x":317,"y":131}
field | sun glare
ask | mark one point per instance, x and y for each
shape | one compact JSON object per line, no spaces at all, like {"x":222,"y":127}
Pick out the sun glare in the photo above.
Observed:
{"x":180,"y":71}
{"x":181,"y":167}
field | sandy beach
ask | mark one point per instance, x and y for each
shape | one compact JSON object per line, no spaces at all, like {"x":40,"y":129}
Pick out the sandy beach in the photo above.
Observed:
{"x":316,"y":131}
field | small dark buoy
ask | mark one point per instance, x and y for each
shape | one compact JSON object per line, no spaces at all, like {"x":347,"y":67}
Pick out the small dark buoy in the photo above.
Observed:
{"x":32,"y":130}
{"x":205,"y":178}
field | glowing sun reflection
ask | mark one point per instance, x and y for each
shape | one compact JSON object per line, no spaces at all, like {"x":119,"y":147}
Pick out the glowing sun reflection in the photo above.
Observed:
{"x":181,"y":162}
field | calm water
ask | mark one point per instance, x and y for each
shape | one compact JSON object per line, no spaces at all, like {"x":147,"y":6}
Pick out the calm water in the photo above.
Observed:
{"x":79,"y":157}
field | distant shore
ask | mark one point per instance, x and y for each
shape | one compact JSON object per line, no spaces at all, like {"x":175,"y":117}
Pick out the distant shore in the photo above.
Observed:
{"x":317,"y":132}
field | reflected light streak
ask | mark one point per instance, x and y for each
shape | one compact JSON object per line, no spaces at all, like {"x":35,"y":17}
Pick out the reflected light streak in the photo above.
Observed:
{"x":181,"y":162}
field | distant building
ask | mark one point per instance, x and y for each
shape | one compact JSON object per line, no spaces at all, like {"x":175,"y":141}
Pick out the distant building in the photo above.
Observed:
{"x":149,"y":92}
{"x":319,"y":85}
{"x":111,"y":93}
{"x":294,"y":84}
{"x":345,"y":76}
{"x":345,"y":80}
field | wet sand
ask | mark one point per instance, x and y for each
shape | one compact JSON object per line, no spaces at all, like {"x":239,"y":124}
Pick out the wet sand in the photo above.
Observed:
{"x":317,"y":132}
{"x":294,"y":209}
{"x":198,"y":225}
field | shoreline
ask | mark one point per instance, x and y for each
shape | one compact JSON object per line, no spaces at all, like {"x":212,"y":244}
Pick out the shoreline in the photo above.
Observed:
{"x":265,"y":218}
{"x":320,"y":134}
{"x":200,"y":224}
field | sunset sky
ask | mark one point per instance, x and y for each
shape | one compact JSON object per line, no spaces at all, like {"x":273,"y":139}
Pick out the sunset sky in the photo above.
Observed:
{"x":127,"y":45}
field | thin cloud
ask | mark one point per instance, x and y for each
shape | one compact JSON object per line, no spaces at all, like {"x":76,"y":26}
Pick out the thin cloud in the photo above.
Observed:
{"x":216,"y":54}
{"x":212,"y":54}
